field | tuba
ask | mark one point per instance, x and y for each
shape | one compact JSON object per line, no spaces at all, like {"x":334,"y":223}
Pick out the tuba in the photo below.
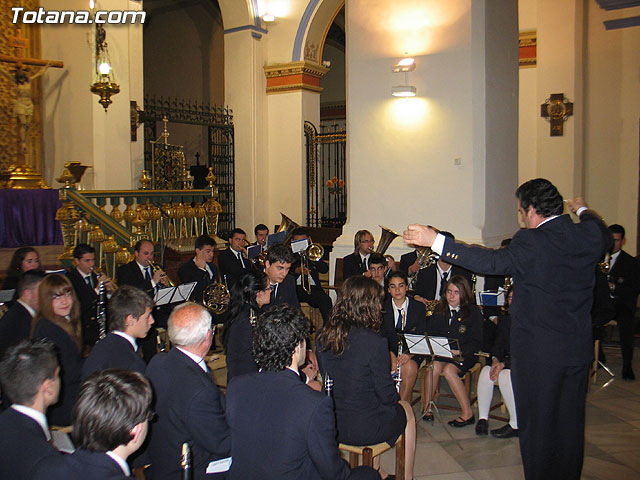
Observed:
{"x":386,"y":237}
{"x":286,"y":225}
{"x":425,"y":258}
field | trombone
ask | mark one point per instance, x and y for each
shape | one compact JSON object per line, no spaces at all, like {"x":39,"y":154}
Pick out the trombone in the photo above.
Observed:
{"x":314,"y":253}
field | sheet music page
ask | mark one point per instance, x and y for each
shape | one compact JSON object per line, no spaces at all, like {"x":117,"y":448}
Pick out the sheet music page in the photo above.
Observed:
{"x":441,"y":347}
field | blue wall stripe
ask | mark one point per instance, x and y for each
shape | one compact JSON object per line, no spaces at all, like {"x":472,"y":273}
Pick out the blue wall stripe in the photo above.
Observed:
{"x":302,"y":28}
{"x":245,"y":27}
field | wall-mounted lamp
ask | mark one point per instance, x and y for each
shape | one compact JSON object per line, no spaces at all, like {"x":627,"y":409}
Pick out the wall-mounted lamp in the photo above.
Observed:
{"x":405,"y":65}
{"x":268,"y":18}
{"x":104,"y":84}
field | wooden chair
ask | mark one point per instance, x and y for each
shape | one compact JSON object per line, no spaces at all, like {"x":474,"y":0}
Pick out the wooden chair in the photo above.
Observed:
{"x":369,"y":452}
{"x":338,"y":276}
{"x":312,"y":314}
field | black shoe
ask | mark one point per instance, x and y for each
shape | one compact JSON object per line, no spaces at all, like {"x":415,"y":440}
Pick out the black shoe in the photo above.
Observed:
{"x":505,"y":432}
{"x":482,"y":427}
{"x":428,"y":417}
{"x":462,"y":423}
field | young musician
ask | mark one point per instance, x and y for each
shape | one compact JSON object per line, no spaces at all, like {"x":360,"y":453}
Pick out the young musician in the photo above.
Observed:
{"x":233,"y":261}
{"x":261,"y":232}
{"x":15,"y":324}
{"x":30,"y":378}
{"x":200,"y":268}
{"x":110,"y":422}
{"x":377,"y":268}
{"x":357,"y":262}
{"x":86,"y":283}
{"x":129,"y":320}
{"x":401,"y":313}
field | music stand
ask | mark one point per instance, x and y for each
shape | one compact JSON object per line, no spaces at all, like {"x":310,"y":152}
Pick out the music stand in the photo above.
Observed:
{"x":433,"y":347}
{"x":168,"y":295}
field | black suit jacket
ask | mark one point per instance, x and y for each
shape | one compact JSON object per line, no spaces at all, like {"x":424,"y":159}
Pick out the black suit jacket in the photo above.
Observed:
{"x":189,"y":272}
{"x":113,"y":351}
{"x":553,"y":274}
{"x":130,"y":274}
{"x":407,"y":260}
{"x":88,"y":298}
{"x":15,"y":325}
{"x":265,"y":404}
{"x":352,"y":265}
{"x":22,"y":445}
{"x":416,"y":321}
{"x":286,"y":293}
{"x":315,"y":268}
{"x":80,"y":465}
{"x":239,"y":350}
{"x":365,"y":397}
{"x":428,"y":280}
{"x":190,"y":408}
{"x":625,"y":275}
{"x":70,"y":370}
{"x":231,"y":268}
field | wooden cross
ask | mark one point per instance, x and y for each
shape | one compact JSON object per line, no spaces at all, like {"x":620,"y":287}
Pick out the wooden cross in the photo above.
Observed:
{"x":22,"y":44}
{"x":556,"y":109}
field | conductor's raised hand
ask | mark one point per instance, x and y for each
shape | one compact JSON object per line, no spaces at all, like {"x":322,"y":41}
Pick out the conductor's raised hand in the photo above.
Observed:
{"x":575,"y":204}
{"x":419,"y":235}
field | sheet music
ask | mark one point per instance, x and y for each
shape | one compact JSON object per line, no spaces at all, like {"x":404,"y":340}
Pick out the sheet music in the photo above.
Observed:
{"x":441,"y":347}
{"x":7,"y":295}
{"x":418,"y":345}
{"x":181,"y":293}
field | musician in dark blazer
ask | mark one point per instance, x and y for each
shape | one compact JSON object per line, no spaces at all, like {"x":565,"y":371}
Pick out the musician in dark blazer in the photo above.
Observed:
{"x":201,"y":268}
{"x":110,"y":422}
{"x":189,"y":405}
{"x":277,"y":266}
{"x":15,"y":324}
{"x":129,"y":320}
{"x":413,"y":319}
{"x":28,"y":367}
{"x":316,"y":297}
{"x":86,"y":283}
{"x":352,"y":352}
{"x":233,"y":261}
{"x":552,"y":263}
{"x":307,"y":448}
{"x":408,"y":261}
{"x":624,"y":280}
{"x":357,"y":262}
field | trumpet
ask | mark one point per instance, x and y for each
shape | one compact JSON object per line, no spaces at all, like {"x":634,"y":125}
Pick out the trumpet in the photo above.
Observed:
{"x":100,"y":271}
{"x":155,"y":267}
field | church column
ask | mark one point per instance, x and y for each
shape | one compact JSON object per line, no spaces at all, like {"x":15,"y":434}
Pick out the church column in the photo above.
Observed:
{"x":292,"y":98}
{"x":560,"y":69}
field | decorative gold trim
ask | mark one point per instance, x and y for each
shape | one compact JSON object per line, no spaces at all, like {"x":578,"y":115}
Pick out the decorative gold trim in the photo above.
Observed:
{"x":527,"y":49}
{"x":294,"y":76}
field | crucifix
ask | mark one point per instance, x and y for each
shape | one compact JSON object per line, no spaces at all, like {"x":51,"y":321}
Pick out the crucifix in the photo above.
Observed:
{"x":22,"y":72}
{"x":556,"y":110}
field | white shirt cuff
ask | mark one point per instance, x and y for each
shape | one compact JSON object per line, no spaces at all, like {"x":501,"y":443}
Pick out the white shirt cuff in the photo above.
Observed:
{"x":438,"y":244}
{"x":580,"y":210}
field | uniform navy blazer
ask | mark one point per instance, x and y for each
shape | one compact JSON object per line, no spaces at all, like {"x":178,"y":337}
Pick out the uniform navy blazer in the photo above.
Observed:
{"x":406,"y":261}
{"x":416,"y":321}
{"x":286,"y":293}
{"x":189,"y":272}
{"x":113,"y":351}
{"x":231,"y":268}
{"x":190,"y":408}
{"x":552,"y":268}
{"x":80,"y":465}
{"x":352,"y":265}
{"x":364,"y":394}
{"x":315,"y":269}
{"x":239,"y":346}
{"x":625,"y":275}
{"x":22,"y":445}
{"x":70,"y":370}
{"x":282,"y":429}
{"x":15,"y":326}
{"x":88,"y":298}
{"x":130,"y":274}
{"x":428,"y":280}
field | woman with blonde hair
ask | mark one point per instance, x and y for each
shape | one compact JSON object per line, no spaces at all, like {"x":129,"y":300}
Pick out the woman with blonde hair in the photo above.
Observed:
{"x":352,"y":352}
{"x":58,"y":319}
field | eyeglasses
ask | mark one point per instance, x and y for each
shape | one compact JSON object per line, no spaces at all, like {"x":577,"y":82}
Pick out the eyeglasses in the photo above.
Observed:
{"x":57,"y":296}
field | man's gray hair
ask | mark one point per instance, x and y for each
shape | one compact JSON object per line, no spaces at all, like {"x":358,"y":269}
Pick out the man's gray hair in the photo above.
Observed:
{"x":190,"y":330}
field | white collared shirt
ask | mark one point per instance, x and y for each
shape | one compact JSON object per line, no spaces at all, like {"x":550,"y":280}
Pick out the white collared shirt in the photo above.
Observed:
{"x":404,"y":307}
{"x":453,"y":311}
{"x":612,"y":259}
{"x":28,"y":307}
{"x":198,"y":360}
{"x":35,"y":415}
{"x":548,"y":219}
{"x":365,"y":258}
{"x":440,"y":271}
{"x":131,"y":340}
{"x":120,"y":461}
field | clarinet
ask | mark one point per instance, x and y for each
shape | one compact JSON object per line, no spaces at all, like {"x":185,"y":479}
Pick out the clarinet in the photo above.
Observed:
{"x":398,"y":373}
{"x":101,"y":311}
{"x":328,"y":385}
{"x":185,"y":461}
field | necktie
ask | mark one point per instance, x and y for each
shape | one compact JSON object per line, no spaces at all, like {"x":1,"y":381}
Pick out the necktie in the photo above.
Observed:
{"x":240,"y":259}
{"x":451,"y":315}
{"x":274,"y":292}
{"x":399,"y":321}
{"x":364,"y":265}
{"x":89,"y":280}
{"x":147,"y":275}
{"x":443,"y":284}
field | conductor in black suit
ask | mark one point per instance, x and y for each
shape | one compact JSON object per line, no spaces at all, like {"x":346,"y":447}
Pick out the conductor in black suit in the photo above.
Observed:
{"x":552,"y":262}
{"x":86,"y":283}
{"x":30,"y":376}
{"x":316,"y":297}
{"x":15,"y":324}
{"x":189,"y":405}
{"x":287,"y":431}
{"x":129,"y":320}
{"x":357,"y":262}
{"x":200,"y":268}
{"x":624,"y":281}
{"x":233,"y":261}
